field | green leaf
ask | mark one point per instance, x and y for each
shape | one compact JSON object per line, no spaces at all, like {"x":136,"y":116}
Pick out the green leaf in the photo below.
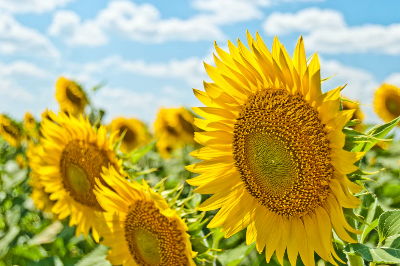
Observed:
{"x":353,"y":122}
{"x":139,"y":153}
{"x":233,"y":257}
{"x":388,"y":255}
{"x":364,"y":142}
{"x":389,"y":224}
{"x":95,"y":258}
{"x":5,"y":241}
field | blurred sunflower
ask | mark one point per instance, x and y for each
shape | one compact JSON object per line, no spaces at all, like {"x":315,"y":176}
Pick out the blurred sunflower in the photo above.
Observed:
{"x":273,"y":154}
{"x":73,"y":156}
{"x":20,"y":159}
{"x":387,"y":102}
{"x":139,"y":226}
{"x":29,"y":122}
{"x":358,"y":114}
{"x":10,"y":131}
{"x":173,"y":128}
{"x":70,"y":96}
{"x":136,"y":133}
{"x":40,"y":198}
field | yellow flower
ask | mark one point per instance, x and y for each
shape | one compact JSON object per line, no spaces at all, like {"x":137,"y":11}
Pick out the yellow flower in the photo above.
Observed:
{"x":29,"y":122}
{"x":174,"y":128}
{"x":387,"y":102}
{"x":40,"y":198}
{"x":73,"y":156}
{"x":273,"y":154}
{"x":135,"y":136}
{"x":70,"y":96}
{"x":139,"y":226}
{"x":10,"y":131}
{"x":358,"y":114}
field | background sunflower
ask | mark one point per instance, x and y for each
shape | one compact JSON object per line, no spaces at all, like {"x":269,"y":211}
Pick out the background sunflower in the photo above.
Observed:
{"x":70,"y":96}
{"x":387,"y":102}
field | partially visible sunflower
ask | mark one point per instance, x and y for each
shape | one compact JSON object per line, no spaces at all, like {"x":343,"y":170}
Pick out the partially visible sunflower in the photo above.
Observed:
{"x":358,"y":114}
{"x":70,"y":96}
{"x":387,"y":102}
{"x":136,"y":133}
{"x":73,"y":157}
{"x":174,"y":128}
{"x":139,"y":226}
{"x":10,"y":131}
{"x":29,"y":122}
{"x":40,"y":198}
{"x":20,"y":159}
{"x":273,"y":155}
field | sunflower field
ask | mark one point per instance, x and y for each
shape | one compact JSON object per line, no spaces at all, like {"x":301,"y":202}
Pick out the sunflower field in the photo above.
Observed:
{"x":268,"y":170}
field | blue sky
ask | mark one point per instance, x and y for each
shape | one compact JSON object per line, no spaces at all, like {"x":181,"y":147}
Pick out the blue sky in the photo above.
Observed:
{"x":150,"y":53}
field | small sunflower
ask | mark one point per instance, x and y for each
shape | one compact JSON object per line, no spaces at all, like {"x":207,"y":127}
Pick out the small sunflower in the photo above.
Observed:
{"x":10,"y":131}
{"x":165,"y":147}
{"x":70,"y":96}
{"x":20,"y":159}
{"x":73,"y":156}
{"x":29,"y":122}
{"x":40,"y":198}
{"x":139,"y":226}
{"x":358,"y":114}
{"x":136,"y":133}
{"x":174,"y":128}
{"x":387,"y":102}
{"x":273,"y":155}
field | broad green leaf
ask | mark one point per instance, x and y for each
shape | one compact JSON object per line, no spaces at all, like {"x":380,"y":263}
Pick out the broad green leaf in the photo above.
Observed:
{"x":388,"y":255}
{"x":233,"y":257}
{"x":138,"y":154}
{"x":199,"y":244}
{"x":370,"y":211}
{"x":389,"y":224}
{"x":96,"y":258}
{"x":5,"y":241}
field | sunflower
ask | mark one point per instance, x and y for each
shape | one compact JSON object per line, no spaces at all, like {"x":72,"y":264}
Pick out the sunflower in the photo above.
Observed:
{"x":29,"y":122}
{"x":136,"y":133}
{"x":10,"y":131}
{"x":273,"y":154}
{"x":139,"y":226}
{"x":173,"y":128}
{"x":73,"y":156}
{"x":387,"y":102}
{"x":358,"y":114}
{"x":70,"y":96}
{"x":40,"y":198}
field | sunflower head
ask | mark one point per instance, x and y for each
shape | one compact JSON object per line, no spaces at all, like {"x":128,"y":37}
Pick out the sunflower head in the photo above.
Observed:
{"x":73,"y":157}
{"x":139,"y":226}
{"x":273,"y":155}
{"x":10,"y":131}
{"x":174,"y":128}
{"x":135,"y":133}
{"x":70,"y":96}
{"x":387,"y":102}
{"x":358,"y":114}
{"x":29,"y":122}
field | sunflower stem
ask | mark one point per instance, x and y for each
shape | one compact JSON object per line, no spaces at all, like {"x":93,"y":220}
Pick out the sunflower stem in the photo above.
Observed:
{"x":354,"y":260}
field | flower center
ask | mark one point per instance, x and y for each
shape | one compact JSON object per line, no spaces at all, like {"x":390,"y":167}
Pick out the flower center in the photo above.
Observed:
{"x":72,"y":97}
{"x":392,"y":103}
{"x":129,"y":134}
{"x":80,"y":164}
{"x":153,"y":239}
{"x":282,"y":153}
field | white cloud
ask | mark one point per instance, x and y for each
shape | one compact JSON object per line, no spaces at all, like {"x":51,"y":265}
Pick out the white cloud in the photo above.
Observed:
{"x":21,"y":68}
{"x":31,"y":6}
{"x":68,"y":24}
{"x":329,"y":33}
{"x":394,"y":79}
{"x":18,"y":39}
{"x":143,"y":22}
{"x":10,"y":90}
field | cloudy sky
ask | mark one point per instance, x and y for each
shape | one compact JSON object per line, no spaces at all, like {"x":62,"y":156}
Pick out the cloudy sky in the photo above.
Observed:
{"x":150,"y":53}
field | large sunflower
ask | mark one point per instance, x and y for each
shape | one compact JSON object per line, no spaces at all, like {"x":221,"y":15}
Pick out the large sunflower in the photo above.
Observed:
{"x":40,"y":198}
{"x":139,"y":226}
{"x":73,"y":156}
{"x":70,"y":96}
{"x":10,"y":131}
{"x":387,"y":102}
{"x":273,"y":154}
{"x":136,"y":133}
{"x":173,"y":128}
{"x":358,"y":114}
